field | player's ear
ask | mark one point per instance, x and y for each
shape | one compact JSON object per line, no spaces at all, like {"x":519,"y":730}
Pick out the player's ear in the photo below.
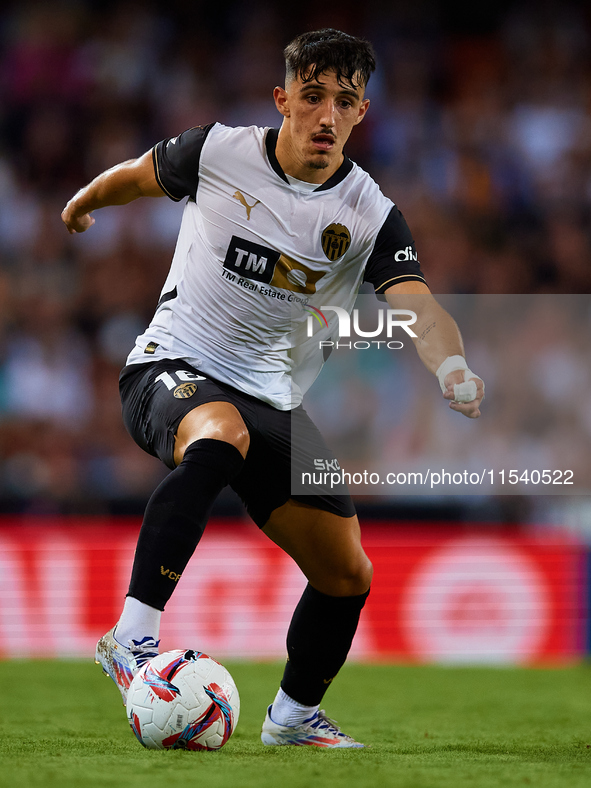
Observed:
{"x":362,"y":110}
{"x":281,"y":101}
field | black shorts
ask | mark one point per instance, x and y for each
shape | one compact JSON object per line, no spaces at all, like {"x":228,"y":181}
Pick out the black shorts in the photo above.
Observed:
{"x":155,"y":398}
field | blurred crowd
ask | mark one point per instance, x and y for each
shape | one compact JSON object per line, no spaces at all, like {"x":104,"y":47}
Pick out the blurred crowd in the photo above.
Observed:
{"x":479,"y":129}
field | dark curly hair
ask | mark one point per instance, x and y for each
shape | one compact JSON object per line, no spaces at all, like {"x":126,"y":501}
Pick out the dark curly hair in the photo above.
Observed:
{"x":312,"y":54}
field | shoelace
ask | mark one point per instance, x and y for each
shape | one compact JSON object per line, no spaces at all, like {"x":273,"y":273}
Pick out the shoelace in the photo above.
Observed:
{"x":143,"y":651}
{"x":324,"y":721}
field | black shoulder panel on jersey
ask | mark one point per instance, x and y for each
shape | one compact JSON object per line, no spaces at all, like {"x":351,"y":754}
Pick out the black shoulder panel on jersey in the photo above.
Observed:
{"x":176,"y":162}
{"x":339,"y":175}
{"x":394,"y":258}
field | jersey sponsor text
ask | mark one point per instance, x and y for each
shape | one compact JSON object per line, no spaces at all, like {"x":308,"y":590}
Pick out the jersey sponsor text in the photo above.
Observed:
{"x":268,"y":266}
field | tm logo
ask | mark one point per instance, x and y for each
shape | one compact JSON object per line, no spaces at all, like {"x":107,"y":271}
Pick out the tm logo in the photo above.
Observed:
{"x":394,"y":318}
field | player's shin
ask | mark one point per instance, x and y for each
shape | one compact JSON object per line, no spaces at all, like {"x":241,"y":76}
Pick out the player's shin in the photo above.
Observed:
{"x":176,"y":516}
{"x":318,"y":642}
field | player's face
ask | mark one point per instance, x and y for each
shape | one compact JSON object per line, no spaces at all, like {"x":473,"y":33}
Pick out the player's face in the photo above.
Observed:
{"x":318,"y":118}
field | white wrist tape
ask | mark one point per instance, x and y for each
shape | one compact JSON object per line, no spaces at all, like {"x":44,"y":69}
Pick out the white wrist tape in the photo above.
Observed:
{"x":463,"y":392}
{"x":450,"y":364}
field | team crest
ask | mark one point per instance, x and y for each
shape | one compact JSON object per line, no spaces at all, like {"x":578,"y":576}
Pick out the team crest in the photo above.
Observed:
{"x":185,"y":390}
{"x":336,"y":239}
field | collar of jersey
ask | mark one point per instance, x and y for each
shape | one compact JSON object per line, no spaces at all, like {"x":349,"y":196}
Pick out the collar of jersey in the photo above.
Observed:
{"x":339,"y":175}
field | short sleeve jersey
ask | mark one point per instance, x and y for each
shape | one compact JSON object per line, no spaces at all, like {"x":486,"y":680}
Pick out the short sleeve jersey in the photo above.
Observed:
{"x":256,"y":250}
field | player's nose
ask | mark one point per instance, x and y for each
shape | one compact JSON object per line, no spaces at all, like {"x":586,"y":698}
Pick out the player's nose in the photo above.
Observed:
{"x":329,"y":109}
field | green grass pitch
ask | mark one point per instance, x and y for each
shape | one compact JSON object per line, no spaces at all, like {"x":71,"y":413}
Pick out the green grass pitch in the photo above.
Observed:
{"x":62,"y":724}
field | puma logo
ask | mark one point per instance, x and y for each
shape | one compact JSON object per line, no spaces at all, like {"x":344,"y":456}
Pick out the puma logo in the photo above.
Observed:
{"x":172,"y":575}
{"x":241,"y":199}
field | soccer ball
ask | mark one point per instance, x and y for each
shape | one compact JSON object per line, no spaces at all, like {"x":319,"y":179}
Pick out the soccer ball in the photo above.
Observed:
{"x":183,"y":699}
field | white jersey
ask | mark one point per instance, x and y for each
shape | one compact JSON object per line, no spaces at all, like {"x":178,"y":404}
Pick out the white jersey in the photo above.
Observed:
{"x":255,"y":251}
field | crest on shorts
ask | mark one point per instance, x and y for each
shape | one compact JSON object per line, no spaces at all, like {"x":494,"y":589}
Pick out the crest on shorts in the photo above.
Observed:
{"x":336,"y":239}
{"x":185,"y":390}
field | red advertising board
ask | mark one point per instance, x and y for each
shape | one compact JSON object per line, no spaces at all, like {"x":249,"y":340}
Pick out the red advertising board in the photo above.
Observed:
{"x":440,"y":593}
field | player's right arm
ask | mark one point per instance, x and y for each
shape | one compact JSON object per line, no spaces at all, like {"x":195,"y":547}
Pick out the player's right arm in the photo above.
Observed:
{"x":393,"y":269}
{"x":117,"y":186}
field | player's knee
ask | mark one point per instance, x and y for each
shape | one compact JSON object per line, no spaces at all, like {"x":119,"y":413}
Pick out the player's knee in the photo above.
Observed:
{"x":354,"y":578}
{"x":238,"y":436}
{"x":231,"y":431}
{"x":361,"y":579}
{"x":367,"y":574}
{"x":218,"y":421}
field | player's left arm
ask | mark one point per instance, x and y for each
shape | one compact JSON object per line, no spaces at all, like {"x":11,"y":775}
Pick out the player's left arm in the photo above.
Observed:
{"x":440,"y":347}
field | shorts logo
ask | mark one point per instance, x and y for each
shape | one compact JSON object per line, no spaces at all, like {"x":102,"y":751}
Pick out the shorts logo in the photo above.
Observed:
{"x":336,"y":239}
{"x":261,"y":264}
{"x":327,"y":465}
{"x":185,"y":390}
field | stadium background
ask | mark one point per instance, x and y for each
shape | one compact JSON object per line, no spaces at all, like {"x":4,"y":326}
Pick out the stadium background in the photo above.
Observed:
{"x":479,"y":129}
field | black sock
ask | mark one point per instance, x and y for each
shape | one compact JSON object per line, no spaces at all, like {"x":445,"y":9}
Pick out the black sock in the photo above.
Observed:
{"x":318,"y":641}
{"x":176,"y":516}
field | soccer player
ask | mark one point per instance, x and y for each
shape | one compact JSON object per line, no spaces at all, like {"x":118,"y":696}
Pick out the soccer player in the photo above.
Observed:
{"x":274,"y":220}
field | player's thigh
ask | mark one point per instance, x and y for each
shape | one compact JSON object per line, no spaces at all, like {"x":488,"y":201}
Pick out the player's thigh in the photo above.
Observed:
{"x":326,"y":547}
{"x":159,"y":397}
{"x":284,"y":446}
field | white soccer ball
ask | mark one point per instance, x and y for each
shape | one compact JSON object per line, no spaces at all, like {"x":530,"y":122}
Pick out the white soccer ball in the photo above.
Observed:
{"x":183,"y":699}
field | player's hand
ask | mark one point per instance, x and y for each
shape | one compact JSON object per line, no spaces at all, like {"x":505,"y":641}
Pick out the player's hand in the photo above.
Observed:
{"x":75,"y":223}
{"x":470,"y":409}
